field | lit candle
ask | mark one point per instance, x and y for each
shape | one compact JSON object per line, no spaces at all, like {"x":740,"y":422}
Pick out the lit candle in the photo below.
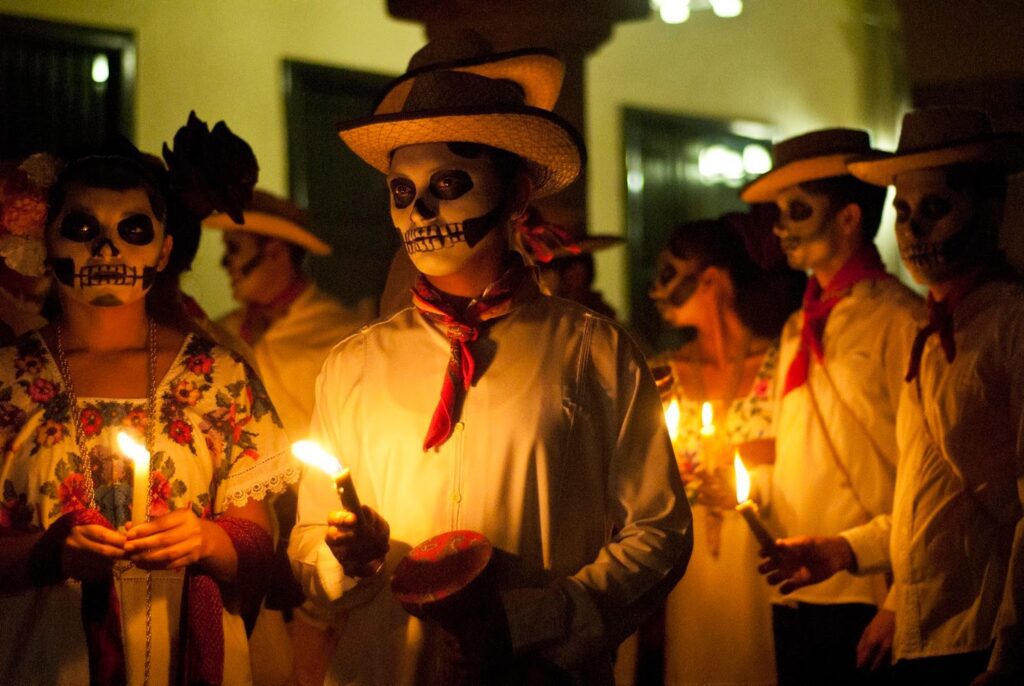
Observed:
{"x":315,"y":456}
{"x":139,"y":456}
{"x":747,"y":507}
{"x":672,"y":420}
{"x":707,"y":419}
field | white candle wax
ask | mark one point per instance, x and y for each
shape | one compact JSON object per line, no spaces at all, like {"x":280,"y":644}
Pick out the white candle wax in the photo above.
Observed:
{"x":140,"y":478}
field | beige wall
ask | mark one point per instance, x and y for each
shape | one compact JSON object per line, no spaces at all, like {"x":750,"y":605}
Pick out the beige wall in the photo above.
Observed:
{"x":793,"y":64}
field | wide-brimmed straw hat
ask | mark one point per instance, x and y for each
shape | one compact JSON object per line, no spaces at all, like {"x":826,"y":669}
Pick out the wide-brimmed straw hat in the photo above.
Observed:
{"x":816,"y":155}
{"x":457,"y":89}
{"x":942,"y":136}
{"x":269,"y":215}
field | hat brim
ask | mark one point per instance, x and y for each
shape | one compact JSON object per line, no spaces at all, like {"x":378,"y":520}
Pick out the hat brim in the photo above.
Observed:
{"x":551,"y":148}
{"x":538,"y":72}
{"x":272,"y":226}
{"x":767,"y":187}
{"x":1004,"y":151}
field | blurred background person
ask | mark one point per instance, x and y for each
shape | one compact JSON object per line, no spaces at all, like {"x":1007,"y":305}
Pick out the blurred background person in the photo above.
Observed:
{"x":286,"y":325}
{"x":727,"y":281}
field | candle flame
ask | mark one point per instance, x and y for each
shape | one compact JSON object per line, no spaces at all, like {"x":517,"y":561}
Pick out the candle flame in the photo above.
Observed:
{"x":672,"y":419}
{"x":315,"y":456}
{"x":707,"y":419}
{"x":131,"y":448}
{"x":742,"y":479}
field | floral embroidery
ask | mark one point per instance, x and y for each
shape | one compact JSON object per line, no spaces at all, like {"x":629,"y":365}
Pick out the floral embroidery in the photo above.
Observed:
{"x":50,"y":433}
{"x":42,"y":391}
{"x":180,"y":432}
{"x":192,"y":405}
{"x":90,"y":421}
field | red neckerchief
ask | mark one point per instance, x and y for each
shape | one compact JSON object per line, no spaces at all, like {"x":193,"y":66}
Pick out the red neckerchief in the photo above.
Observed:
{"x":259,"y":317}
{"x":461,"y":330}
{"x":865,"y":264}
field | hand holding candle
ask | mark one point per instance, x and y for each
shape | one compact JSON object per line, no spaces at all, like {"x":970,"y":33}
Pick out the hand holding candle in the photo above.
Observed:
{"x":139,"y":456}
{"x":312,"y":454}
{"x":748,"y":508}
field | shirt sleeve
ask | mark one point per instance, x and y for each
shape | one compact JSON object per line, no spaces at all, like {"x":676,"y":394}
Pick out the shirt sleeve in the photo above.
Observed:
{"x":870,"y":544}
{"x":319,"y":573}
{"x":650,"y":519}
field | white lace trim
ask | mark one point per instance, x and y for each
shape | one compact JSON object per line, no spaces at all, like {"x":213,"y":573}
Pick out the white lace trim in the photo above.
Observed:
{"x":258,"y":479}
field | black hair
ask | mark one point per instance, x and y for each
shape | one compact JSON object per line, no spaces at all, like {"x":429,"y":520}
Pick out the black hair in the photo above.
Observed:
{"x":844,"y":190}
{"x":764,"y":297}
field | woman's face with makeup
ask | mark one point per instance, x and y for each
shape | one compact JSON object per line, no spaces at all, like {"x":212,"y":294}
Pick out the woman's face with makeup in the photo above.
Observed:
{"x":106,"y":246}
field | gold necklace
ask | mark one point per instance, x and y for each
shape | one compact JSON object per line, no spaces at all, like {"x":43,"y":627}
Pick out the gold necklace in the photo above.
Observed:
{"x":86,"y":457}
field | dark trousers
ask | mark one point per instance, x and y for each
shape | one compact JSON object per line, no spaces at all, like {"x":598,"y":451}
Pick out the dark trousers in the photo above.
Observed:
{"x":946,"y":669}
{"x":817,"y":644}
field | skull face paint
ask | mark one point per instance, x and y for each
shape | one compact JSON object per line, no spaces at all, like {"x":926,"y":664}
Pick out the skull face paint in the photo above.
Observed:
{"x":253,"y":280}
{"x":106,"y":246}
{"x":806,"y":228}
{"x":938,"y":229}
{"x":444,"y":206}
{"x":674,"y":286}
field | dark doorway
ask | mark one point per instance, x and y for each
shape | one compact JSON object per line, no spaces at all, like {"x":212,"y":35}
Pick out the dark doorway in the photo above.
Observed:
{"x":346,"y":198}
{"x":679,"y":169}
{"x":63,"y":87}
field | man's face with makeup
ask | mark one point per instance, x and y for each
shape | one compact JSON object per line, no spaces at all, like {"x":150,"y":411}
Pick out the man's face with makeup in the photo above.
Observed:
{"x":444,"y":206}
{"x":937,"y":227}
{"x":252,"y":278}
{"x":106,"y":246}
{"x":806,"y":228}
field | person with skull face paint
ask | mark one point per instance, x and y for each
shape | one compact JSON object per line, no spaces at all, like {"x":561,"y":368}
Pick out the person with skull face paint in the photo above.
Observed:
{"x":287,"y":325}
{"x":548,"y":437}
{"x":727,"y":280}
{"x":96,"y":587}
{"x":839,"y":363}
{"x":955,"y":540}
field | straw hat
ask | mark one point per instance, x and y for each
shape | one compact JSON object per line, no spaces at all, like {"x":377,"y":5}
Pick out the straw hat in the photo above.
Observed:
{"x":269,"y":215}
{"x":816,"y":155}
{"x":942,"y":136}
{"x":457,"y":90}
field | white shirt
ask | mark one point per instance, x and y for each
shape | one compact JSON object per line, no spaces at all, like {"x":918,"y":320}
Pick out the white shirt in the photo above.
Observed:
{"x":561,"y":458}
{"x":289,"y":354}
{"x":867,"y":341}
{"x":956,"y":525}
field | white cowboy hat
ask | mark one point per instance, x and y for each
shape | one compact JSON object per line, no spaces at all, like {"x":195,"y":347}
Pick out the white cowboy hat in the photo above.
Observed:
{"x":458,"y":90}
{"x":268,"y":215}
{"x":816,"y":155}
{"x":943,"y":136}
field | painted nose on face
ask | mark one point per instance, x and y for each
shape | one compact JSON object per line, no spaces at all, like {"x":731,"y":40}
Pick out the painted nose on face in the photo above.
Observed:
{"x":97,"y":249}
{"x":424,"y":210}
{"x":919,"y":229}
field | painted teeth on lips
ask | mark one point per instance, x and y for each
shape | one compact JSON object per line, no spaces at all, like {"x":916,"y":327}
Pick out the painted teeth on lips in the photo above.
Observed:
{"x":924,"y":254}
{"x":108,"y":275}
{"x":432,"y":237}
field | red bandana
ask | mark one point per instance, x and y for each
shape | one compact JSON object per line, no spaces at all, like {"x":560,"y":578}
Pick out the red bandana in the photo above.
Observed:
{"x":865,"y":264}
{"x":940,"y":321}
{"x":259,"y":317}
{"x":496,"y":301}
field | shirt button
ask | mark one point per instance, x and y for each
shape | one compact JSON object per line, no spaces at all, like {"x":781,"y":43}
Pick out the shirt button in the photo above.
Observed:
{"x":456,"y":498}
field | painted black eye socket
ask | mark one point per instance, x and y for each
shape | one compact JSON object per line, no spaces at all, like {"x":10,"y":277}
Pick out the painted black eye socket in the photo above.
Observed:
{"x":799,"y":211}
{"x":935,"y":208}
{"x":403,"y":192}
{"x":79,"y":227}
{"x":136,"y":230}
{"x":666,"y":274}
{"x":450,"y":184}
{"x":902,"y":211}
